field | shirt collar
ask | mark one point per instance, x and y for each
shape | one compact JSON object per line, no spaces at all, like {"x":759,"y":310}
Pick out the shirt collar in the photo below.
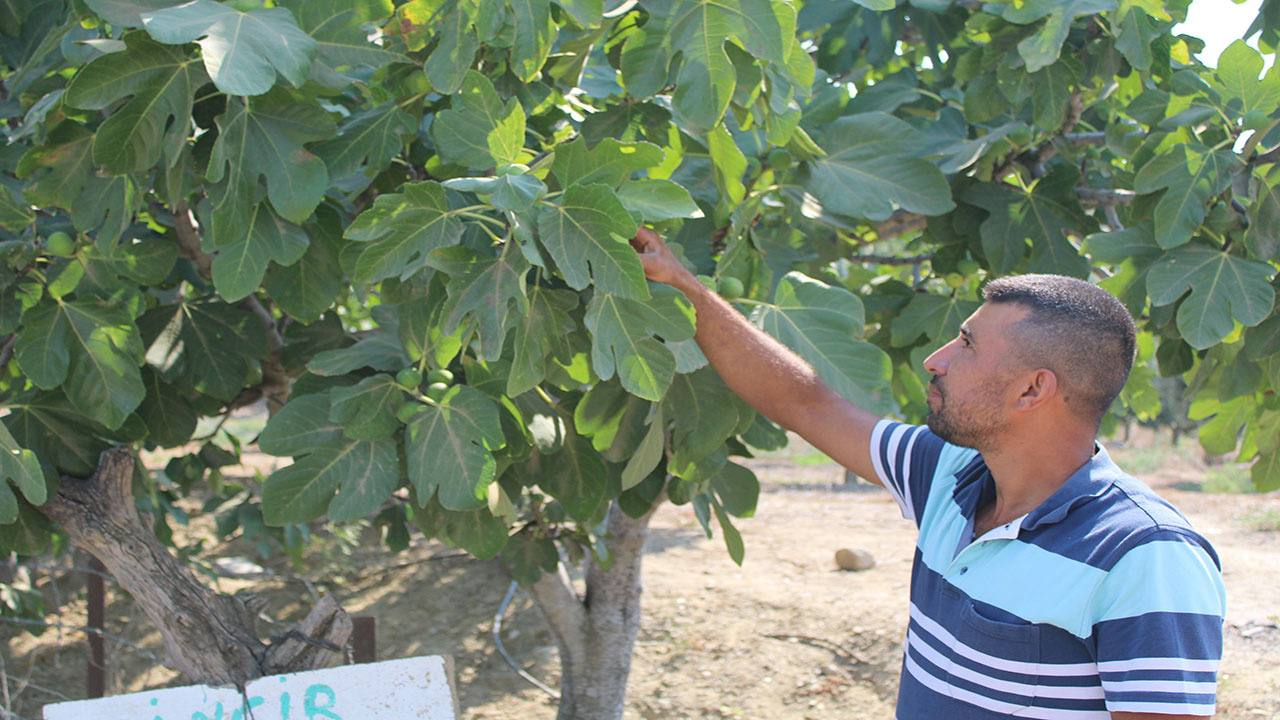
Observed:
{"x":975,"y":487}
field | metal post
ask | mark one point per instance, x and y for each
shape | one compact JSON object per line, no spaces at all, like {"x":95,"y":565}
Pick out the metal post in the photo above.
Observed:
{"x":364,"y":639}
{"x":97,"y":676}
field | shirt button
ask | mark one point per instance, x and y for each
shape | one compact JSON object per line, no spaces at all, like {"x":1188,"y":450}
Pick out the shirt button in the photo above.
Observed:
{"x":964,"y":570}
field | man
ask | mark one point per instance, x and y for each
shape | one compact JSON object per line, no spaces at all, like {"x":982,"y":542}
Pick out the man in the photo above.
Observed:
{"x":1046,"y":582}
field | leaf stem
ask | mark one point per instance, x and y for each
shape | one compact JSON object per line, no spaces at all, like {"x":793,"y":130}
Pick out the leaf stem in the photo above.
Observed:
{"x":1256,"y":138}
{"x":486,"y":218}
{"x":543,"y":394}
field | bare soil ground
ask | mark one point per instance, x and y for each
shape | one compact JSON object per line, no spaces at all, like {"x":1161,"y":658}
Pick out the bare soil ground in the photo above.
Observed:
{"x":785,"y":636}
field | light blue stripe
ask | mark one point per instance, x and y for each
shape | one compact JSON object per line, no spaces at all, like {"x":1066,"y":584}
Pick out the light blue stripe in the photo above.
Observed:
{"x":950,"y":460}
{"x":941,"y":525}
{"x":1004,"y":573}
{"x":1164,"y":576}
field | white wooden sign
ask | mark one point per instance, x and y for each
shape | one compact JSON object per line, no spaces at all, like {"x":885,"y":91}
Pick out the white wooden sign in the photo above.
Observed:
{"x":420,"y":687}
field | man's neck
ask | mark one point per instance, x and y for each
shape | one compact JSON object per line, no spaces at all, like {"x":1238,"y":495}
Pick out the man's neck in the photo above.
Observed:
{"x":1026,"y":474}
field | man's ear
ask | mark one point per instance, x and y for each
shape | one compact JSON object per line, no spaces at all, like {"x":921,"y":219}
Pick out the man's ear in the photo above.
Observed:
{"x":1039,"y":387}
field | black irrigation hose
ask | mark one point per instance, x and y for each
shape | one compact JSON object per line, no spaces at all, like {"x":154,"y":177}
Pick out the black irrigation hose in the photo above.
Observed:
{"x":497,"y":640}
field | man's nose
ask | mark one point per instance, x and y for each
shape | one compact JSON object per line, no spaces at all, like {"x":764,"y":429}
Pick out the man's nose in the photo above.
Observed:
{"x":940,"y":360}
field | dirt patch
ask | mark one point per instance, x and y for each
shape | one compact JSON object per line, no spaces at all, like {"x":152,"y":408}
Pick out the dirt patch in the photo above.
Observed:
{"x":785,"y":636}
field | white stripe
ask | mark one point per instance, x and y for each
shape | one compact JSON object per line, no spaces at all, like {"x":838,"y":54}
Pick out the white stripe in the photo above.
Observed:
{"x":997,"y":663}
{"x":906,"y":475}
{"x":891,"y":459}
{"x":1168,"y":686}
{"x":944,"y":688}
{"x":876,"y":434}
{"x":1163,"y":708}
{"x":1159,"y":663}
{"x":1093,"y":692}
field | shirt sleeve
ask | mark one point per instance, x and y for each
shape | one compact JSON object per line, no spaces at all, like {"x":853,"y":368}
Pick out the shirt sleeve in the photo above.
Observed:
{"x":1157,"y":629}
{"x":906,"y":459}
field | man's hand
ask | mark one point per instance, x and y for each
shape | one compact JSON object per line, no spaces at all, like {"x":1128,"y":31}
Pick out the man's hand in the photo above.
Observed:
{"x":660,"y":264}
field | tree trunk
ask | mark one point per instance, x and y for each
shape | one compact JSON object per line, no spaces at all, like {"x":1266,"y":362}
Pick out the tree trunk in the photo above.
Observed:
{"x":596,"y":634}
{"x":208,"y":637}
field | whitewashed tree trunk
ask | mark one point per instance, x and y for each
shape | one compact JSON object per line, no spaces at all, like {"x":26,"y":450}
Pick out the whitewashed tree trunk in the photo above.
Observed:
{"x":597,"y":633}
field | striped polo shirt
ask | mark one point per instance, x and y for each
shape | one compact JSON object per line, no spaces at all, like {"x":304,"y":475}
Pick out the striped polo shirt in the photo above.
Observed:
{"x":1101,"y":599}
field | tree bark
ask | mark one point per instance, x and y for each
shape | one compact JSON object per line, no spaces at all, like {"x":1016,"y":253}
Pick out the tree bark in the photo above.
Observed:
{"x":208,"y":637}
{"x":596,"y":634}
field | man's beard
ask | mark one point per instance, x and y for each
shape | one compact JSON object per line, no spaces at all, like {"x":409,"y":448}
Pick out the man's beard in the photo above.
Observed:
{"x":976,"y":426}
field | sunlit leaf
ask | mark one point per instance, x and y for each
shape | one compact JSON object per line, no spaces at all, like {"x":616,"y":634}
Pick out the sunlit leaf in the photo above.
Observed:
{"x":450,"y":447}
{"x":1225,"y":289}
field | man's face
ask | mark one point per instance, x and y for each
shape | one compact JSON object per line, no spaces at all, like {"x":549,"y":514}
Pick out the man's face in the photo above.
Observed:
{"x":973,"y":383}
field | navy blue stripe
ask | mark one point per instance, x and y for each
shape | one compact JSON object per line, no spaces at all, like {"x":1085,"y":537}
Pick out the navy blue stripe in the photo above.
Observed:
{"x":1098,"y":703}
{"x":924,"y":465}
{"x":1178,"y":675}
{"x":1159,"y":634}
{"x":886,"y":462}
{"x":1104,"y":528}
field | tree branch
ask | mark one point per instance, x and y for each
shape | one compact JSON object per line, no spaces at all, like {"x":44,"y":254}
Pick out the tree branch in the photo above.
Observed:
{"x":891,"y":259}
{"x":1104,"y":198}
{"x":208,"y":637}
{"x":275,"y":381}
{"x":563,"y":609}
{"x":189,"y":239}
{"x":6,"y":350}
{"x":1270,"y":156}
{"x":902,"y":222}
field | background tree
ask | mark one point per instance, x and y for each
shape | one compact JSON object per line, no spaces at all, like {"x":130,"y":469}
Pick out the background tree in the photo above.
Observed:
{"x":403,"y":226}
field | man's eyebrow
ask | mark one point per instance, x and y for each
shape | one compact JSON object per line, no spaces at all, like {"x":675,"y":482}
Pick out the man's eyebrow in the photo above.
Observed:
{"x":967,"y":333}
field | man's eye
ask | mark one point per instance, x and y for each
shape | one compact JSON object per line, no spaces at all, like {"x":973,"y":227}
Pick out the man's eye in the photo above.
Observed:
{"x":966,"y":342}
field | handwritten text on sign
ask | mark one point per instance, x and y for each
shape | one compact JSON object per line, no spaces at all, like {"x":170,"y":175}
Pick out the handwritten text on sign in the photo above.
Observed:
{"x":414,"y":688}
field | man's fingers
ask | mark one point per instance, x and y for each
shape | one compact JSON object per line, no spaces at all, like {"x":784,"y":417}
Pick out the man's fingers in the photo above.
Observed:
{"x":644,"y":240}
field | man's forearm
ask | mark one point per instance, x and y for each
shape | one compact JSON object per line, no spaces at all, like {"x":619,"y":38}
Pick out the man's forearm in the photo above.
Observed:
{"x":761,"y":370}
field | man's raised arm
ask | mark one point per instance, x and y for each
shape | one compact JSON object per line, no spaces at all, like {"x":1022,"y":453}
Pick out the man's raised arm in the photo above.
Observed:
{"x":763,"y":371}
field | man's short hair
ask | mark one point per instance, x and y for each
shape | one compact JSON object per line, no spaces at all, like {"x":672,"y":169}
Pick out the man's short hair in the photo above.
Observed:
{"x":1074,"y":328}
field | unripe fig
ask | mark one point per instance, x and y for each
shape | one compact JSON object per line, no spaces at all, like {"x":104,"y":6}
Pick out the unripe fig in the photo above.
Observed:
{"x":778,"y":159}
{"x":730,"y":288}
{"x":440,"y":376}
{"x":436,"y":390}
{"x":60,"y":244}
{"x":407,"y":410}
{"x":409,"y":377}
{"x":1255,"y":120}
{"x":954,"y":280}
